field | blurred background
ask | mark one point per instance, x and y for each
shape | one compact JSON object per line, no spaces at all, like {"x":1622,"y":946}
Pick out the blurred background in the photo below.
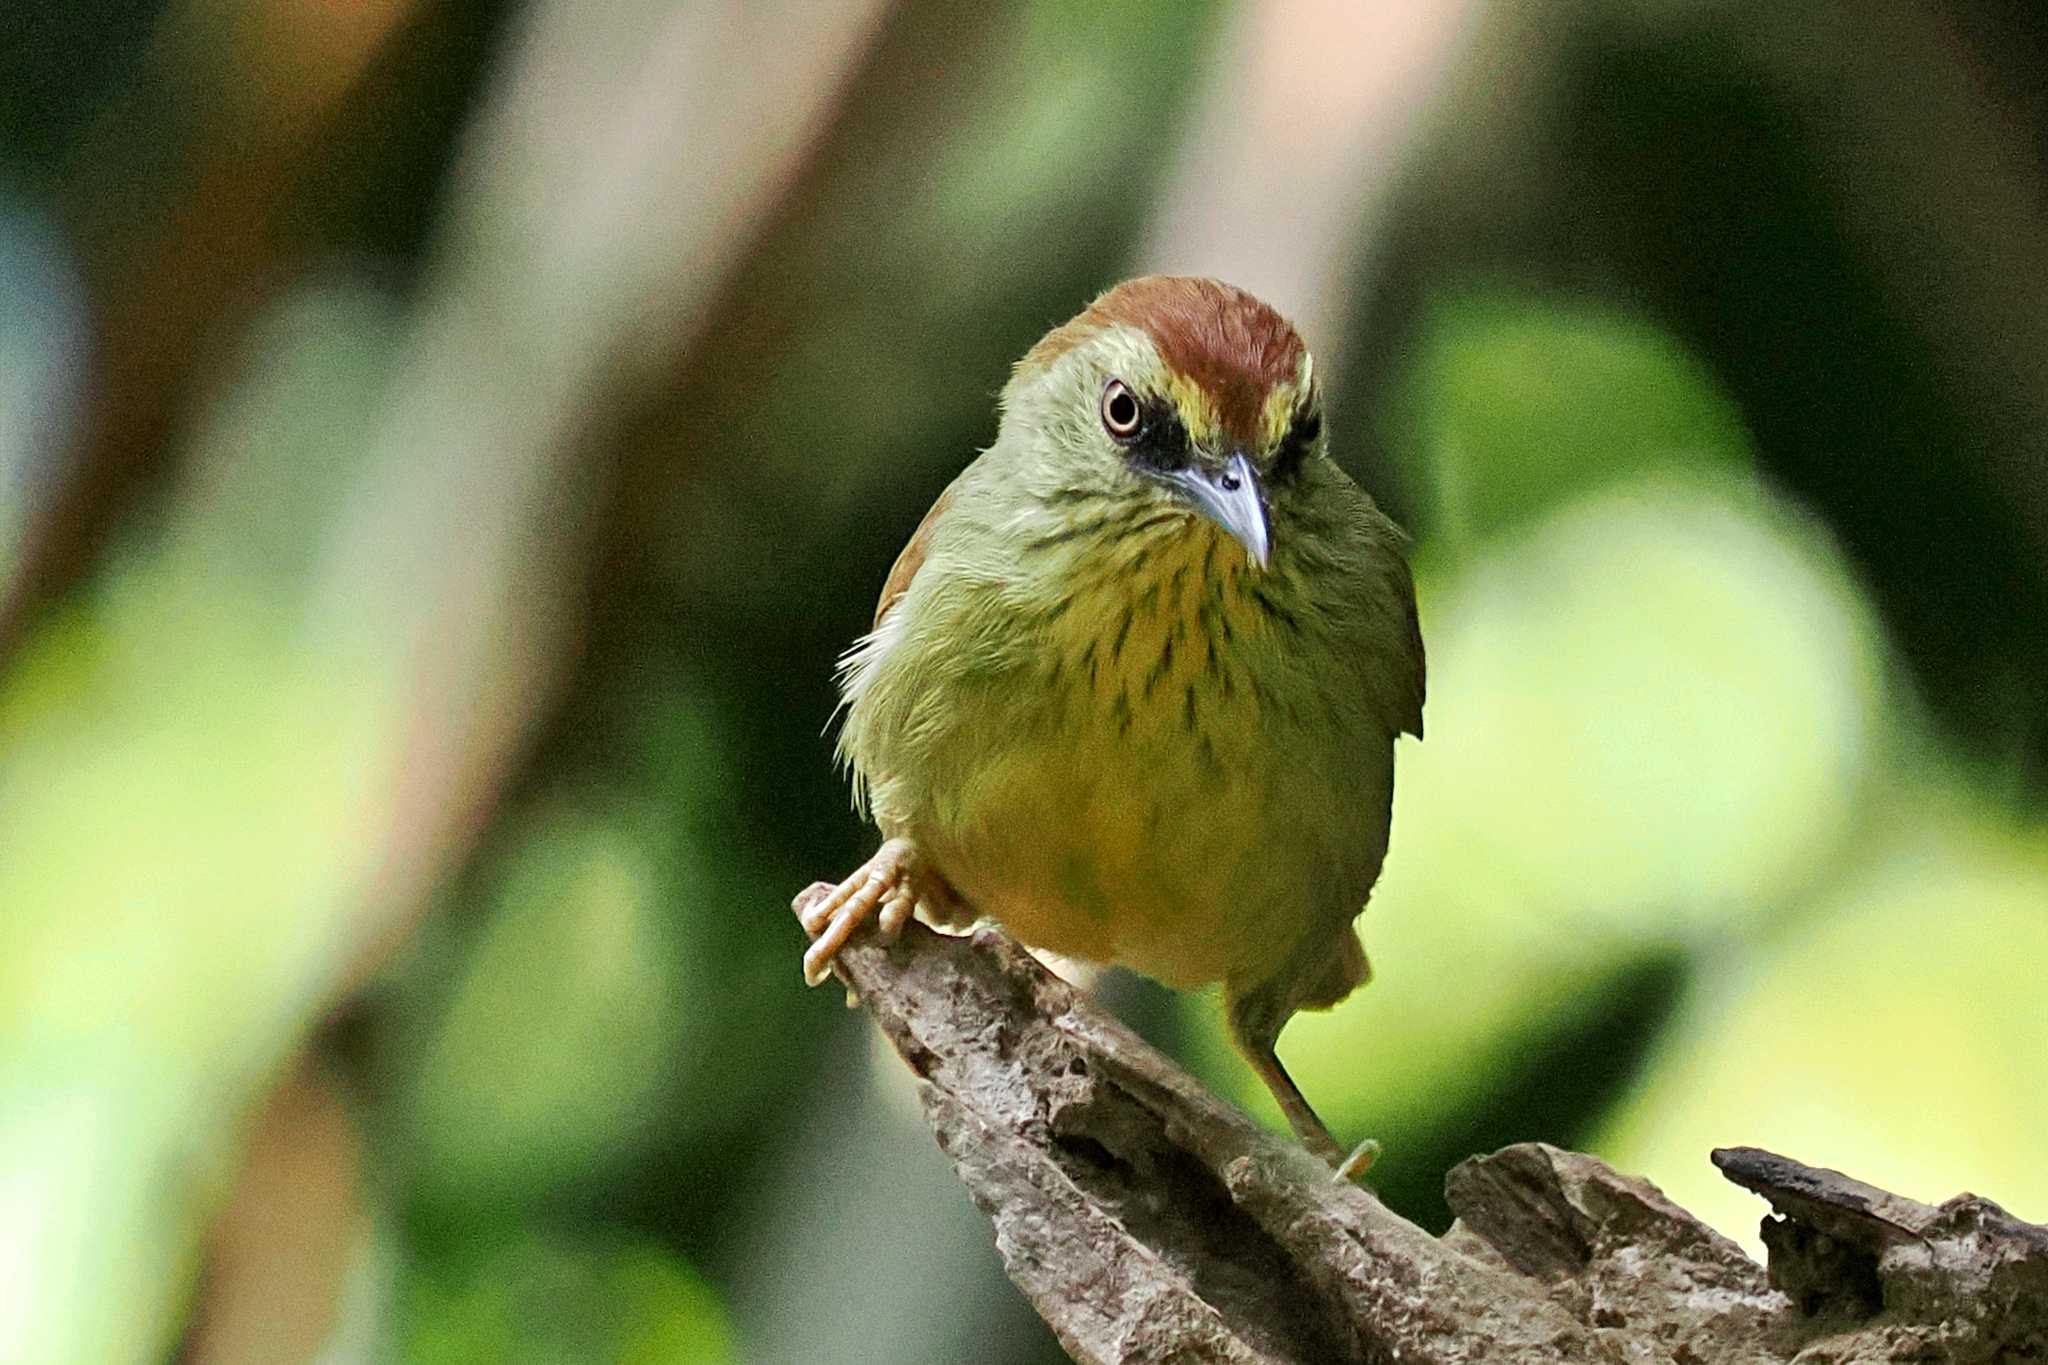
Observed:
{"x":444,"y":445}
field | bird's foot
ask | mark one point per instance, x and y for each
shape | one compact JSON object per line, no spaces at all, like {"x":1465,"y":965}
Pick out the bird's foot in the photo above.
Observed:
{"x":888,"y":888}
{"x":1360,"y":1161}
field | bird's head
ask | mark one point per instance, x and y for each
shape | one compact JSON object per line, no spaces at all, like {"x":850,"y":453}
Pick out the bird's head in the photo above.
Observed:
{"x":1169,"y":394}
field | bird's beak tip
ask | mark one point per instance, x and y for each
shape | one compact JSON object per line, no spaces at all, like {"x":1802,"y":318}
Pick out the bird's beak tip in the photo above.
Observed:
{"x":1257,"y":541}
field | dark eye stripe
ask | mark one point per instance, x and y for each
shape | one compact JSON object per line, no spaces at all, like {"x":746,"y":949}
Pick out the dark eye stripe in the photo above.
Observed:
{"x":1300,"y":439}
{"x":1161,"y":442}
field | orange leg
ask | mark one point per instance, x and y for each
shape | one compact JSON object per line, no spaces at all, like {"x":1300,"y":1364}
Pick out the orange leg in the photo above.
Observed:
{"x":1255,"y":1027}
{"x":888,"y":888}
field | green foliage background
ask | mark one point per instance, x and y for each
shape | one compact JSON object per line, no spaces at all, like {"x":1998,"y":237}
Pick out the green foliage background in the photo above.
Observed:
{"x":444,"y":446}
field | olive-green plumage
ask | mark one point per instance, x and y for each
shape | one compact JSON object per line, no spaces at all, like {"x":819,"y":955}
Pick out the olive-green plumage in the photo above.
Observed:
{"x":1088,"y":710}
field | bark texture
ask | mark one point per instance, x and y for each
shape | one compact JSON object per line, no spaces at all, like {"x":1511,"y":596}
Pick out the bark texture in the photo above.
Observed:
{"x":1149,"y":1221}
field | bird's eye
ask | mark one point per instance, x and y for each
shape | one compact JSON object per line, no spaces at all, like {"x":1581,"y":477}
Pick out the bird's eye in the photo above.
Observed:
{"x":1121,"y":415}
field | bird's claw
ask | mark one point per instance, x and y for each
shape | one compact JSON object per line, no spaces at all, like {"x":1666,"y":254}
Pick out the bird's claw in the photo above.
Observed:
{"x":884,"y":889}
{"x":1358,"y":1163}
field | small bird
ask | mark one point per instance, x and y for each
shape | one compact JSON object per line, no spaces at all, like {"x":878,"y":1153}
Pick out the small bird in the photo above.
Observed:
{"x":1133,"y":686}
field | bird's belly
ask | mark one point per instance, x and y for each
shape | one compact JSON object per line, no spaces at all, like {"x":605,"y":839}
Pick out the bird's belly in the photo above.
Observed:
{"x":1185,"y":863}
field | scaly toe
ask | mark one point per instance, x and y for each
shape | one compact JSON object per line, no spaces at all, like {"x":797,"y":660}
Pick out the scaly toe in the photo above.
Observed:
{"x":825,"y":909}
{"x":851,"y":914}
{"x":819,"y":956}
{"x":817,"y":965}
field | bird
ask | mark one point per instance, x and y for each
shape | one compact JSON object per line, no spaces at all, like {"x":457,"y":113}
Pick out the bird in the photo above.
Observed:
{"x":1133,"y":687}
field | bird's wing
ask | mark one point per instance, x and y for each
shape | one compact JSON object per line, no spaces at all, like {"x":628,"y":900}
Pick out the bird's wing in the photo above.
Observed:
{"x":913,"y":556}
{"x":1411,"y":715}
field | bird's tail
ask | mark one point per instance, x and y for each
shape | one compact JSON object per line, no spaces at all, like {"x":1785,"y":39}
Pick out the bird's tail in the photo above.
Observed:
{"x":1345,"y":970}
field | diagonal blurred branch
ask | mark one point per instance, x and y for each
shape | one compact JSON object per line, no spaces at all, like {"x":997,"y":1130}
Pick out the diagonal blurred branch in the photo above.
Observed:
{"x":589,"y":235}
{"x":1148,"y":1221}
{"x":178,"y":200}
{"x":1307,"y":109}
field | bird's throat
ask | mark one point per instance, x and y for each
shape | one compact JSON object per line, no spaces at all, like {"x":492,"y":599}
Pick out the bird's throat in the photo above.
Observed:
{"x":1152,"y":636}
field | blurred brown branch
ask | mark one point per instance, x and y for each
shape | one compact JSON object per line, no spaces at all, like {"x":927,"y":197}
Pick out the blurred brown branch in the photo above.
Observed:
{"x":1147,"y":1220}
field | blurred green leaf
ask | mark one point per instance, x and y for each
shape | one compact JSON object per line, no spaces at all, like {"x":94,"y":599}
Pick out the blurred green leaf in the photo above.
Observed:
{"x":183,"y":797}
{"x":1652,"y":709}
{"x":548,"y":1058}
{"x":548,"y":1299}
{"x":591,"y":999}
{"x":1514,"y":404}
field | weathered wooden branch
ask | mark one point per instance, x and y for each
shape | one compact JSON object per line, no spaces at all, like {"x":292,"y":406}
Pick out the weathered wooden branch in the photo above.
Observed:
{"x":1149,"y":1221}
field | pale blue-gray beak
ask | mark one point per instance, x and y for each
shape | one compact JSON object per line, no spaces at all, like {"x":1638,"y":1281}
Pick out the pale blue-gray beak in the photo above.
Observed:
{"x":1231,"y":497}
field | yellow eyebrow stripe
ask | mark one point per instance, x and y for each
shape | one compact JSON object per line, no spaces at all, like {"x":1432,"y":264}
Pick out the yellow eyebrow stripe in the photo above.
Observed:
{"x":1197,"y":409}
{"x":1278,"y":415}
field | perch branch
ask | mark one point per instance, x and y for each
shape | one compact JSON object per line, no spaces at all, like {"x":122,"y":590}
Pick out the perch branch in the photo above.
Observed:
{"x":1149,"y":1221}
